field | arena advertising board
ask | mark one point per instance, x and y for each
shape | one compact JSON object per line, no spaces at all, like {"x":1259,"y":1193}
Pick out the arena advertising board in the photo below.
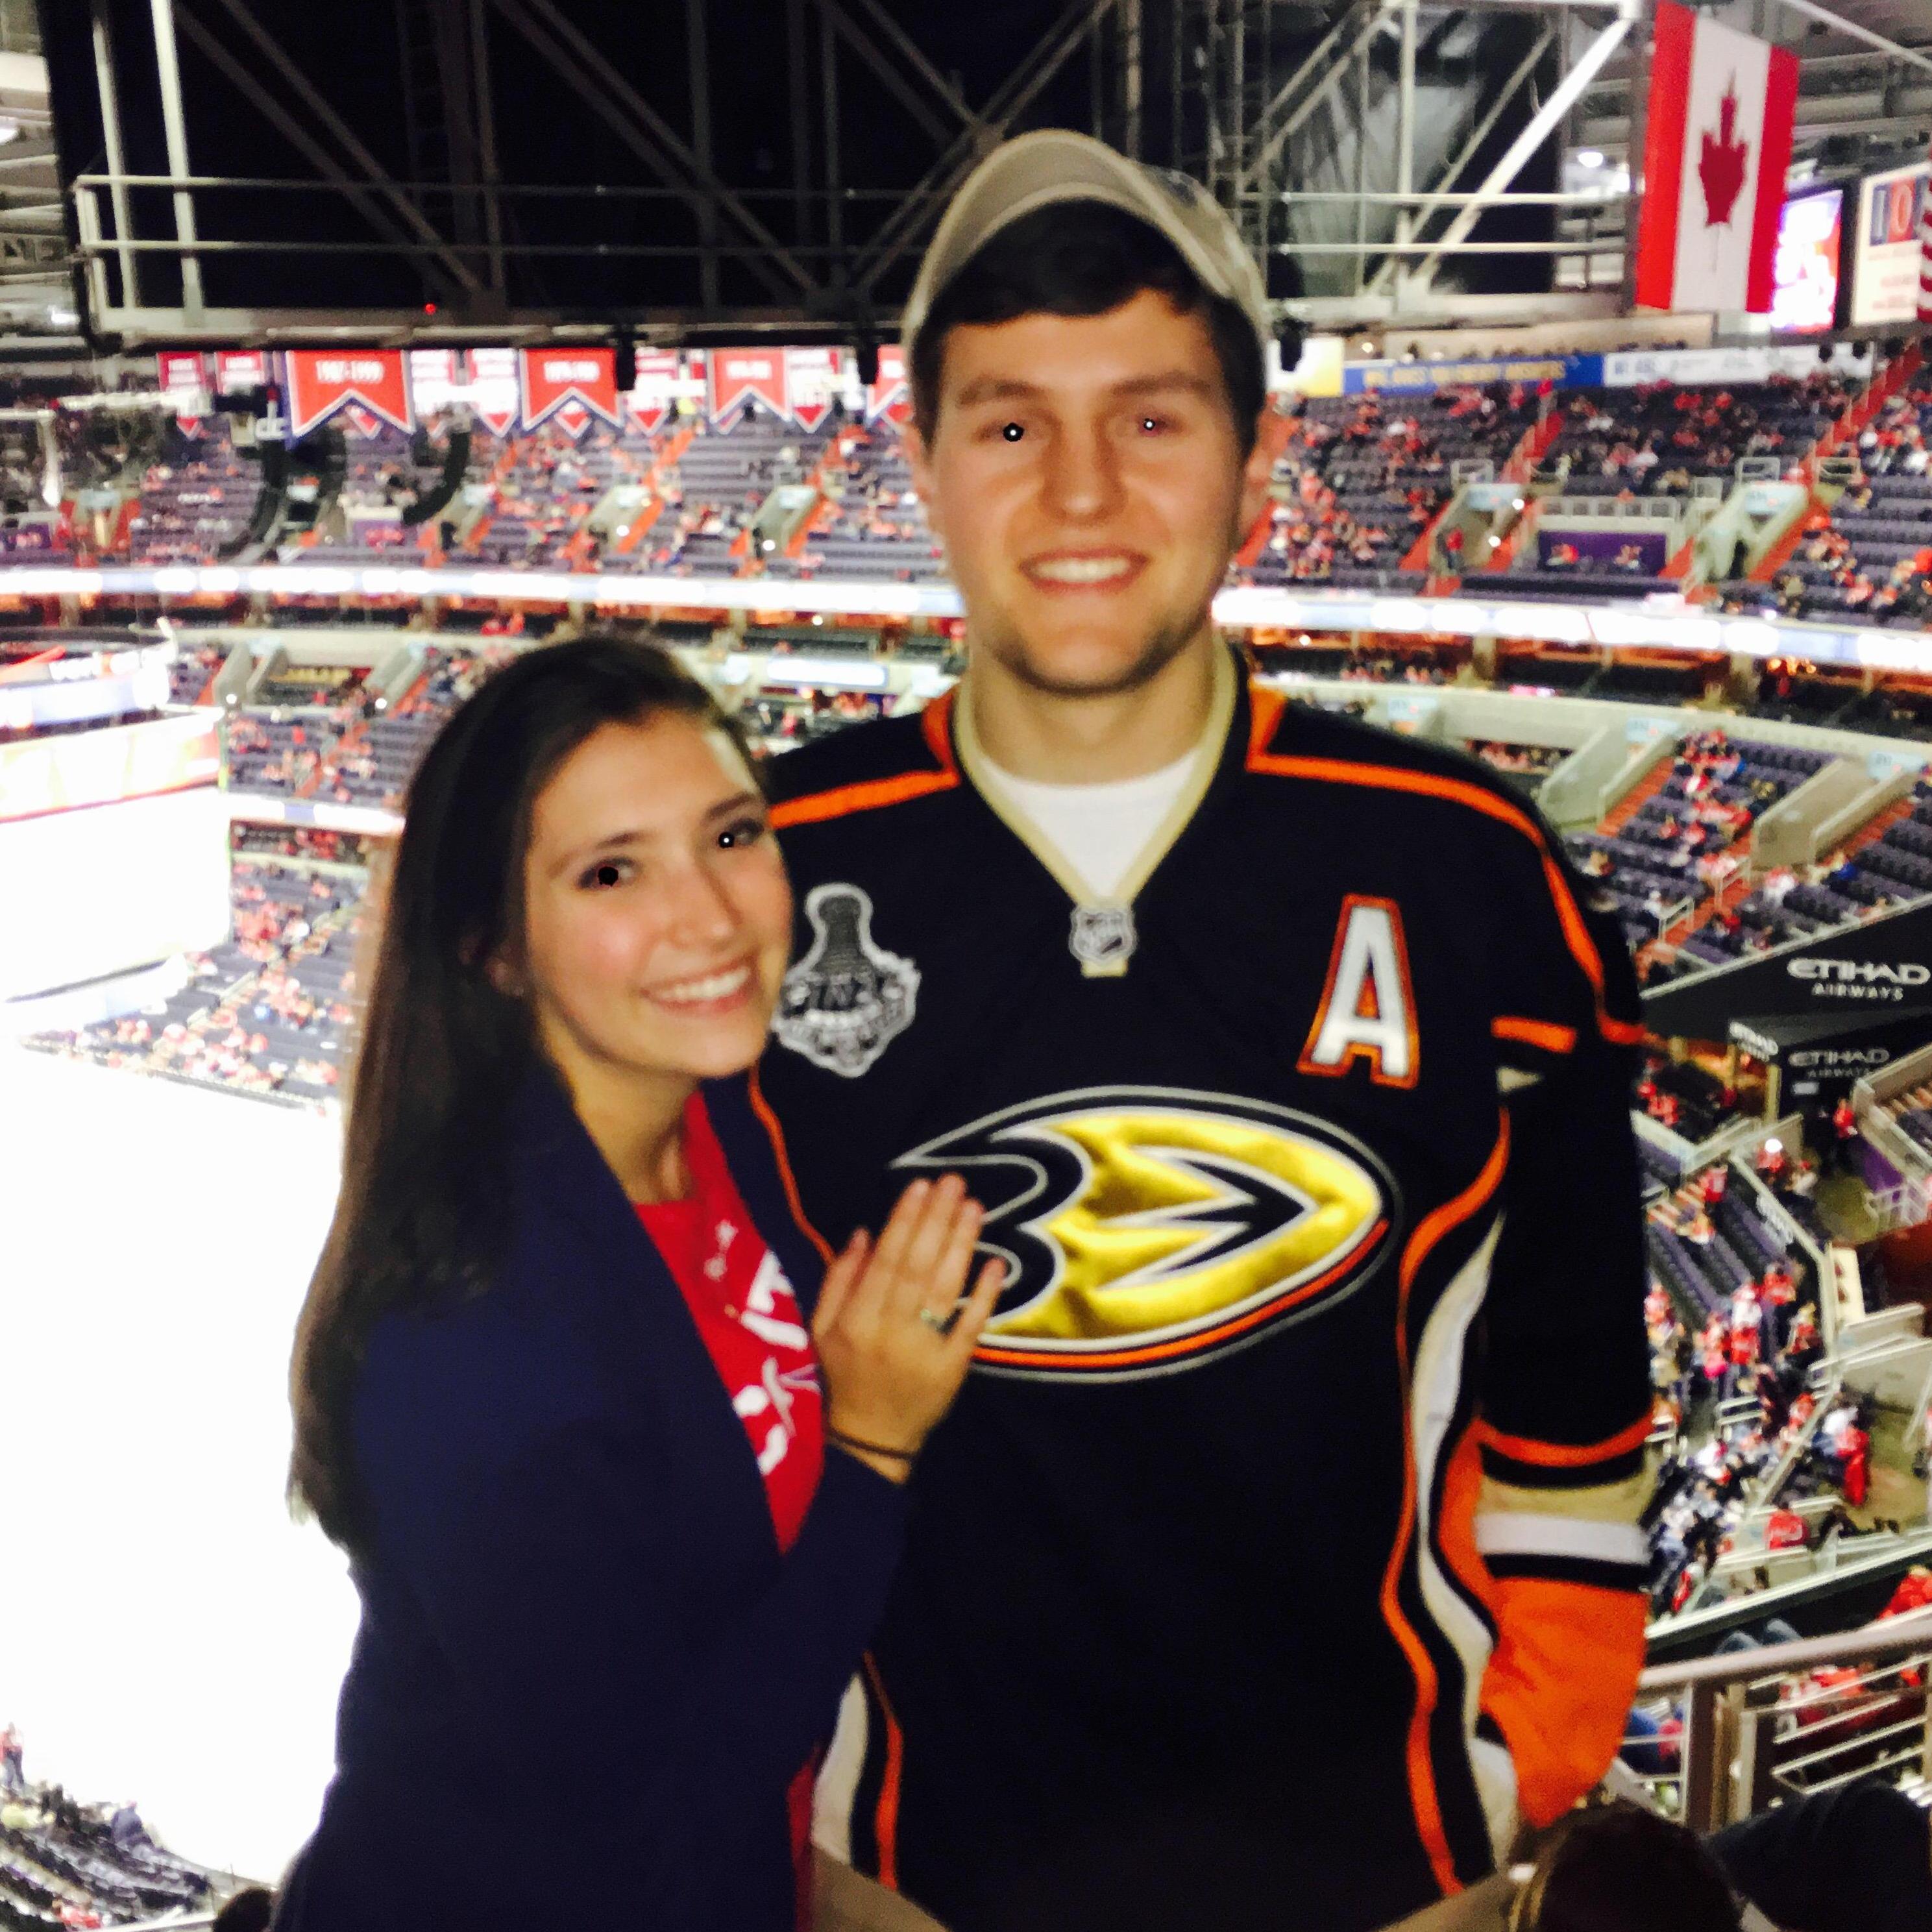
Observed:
{"x":40,"y":775}
{"x":1824,"y":1052}
{"x":1804,"y":277}
{"x":1885,"y":261}
{"x":1623,"y":369}
{"x":1883,"y":966}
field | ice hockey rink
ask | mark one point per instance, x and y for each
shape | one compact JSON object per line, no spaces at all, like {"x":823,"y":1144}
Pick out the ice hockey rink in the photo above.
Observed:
{"x":183,"y":1643}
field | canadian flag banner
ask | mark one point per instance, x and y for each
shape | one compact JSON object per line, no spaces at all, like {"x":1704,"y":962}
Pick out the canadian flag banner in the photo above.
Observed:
{"x":1718,"y":142}
{"x":651,"y":396}
{"x":321,"y":381}
{"x":1925,"y":254}
{"x":889,"y":396}
{"x":555,"y":377}
{"x":239,"y":369}
{"x":738,"y":375}
{"x":814,"y":380}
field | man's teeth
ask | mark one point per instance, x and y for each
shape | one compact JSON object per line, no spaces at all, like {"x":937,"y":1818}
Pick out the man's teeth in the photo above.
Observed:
{"x":717,"y":986}
{"x":1083,"y":569}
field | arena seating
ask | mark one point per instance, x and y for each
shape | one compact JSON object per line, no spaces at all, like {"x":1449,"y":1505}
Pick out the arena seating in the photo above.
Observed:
{"x":1894,"y":870}
{"x":195,"y":505}
{"x":545,"y":484}
{"x":373,"y":761}
{"x":1362,"y":476}
{"x":1913,"y":1112}
{"x":193,"y":671}
{"x":871,"y":525}
{"x":1676,"y":848}
{"x":717,"y":484}
{"x":268,"y":1012}
{"x":1657,"y":439}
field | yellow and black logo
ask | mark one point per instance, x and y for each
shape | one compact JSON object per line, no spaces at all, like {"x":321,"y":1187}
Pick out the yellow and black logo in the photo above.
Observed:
{"x":1146,"y":1228}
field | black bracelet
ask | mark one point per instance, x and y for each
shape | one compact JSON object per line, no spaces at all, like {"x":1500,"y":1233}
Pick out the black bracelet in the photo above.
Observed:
{"x":907,"y":1456}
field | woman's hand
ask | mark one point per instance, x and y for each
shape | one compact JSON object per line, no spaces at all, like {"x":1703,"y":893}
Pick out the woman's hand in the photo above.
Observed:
{"x":894,"y":1328}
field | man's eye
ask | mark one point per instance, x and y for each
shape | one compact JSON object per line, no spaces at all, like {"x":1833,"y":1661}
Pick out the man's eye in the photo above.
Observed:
{"x":1011,"y":431}
{"x":746,"y":832}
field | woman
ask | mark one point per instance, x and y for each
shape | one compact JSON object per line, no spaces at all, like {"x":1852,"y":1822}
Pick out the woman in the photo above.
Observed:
{"x":618,"y":1548}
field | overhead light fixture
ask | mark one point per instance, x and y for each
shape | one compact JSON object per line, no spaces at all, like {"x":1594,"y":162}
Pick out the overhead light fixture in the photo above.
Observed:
{"x":1589,"y":157}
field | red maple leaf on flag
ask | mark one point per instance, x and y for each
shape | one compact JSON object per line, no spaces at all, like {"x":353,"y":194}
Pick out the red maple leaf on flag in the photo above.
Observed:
{"x":1720,"y":163}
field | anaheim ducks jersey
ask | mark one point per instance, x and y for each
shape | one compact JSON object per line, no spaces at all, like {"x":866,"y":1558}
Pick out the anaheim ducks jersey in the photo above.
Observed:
{"x":1281,"y":1550}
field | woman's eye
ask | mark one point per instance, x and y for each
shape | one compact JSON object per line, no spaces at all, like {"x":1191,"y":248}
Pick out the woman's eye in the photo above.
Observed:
{"x":746,"y":832}
{"x":606,"y":872}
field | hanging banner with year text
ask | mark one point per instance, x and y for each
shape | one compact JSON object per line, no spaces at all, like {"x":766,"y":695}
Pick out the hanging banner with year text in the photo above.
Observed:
{"x":739,"y":376}
{"x":183,"y":376}
{"x":555,"y":378}
{"x":492,"y":382}
{"x":889,"y":394}
{"x":651,"y":395}
{"x":814,"y":381}
{"x":239,"y":369}
{"x":322,"y":381}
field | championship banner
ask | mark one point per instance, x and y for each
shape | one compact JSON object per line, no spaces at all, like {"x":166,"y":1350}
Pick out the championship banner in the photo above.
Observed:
{"x":1925,"y":256}
{"x":1885,"y":271}
{"x":554,"y":378}
{"x":814,"y":381}
{"x":739,"y":375}
{"x":890,"y":395}
{"x":492,"y":382}
{"x":183,"y":375}
{"x":435,"y":375}
{"x":652,"y":394}
{"x":323,"y":381}
{"x":239,"y":369}
{"x":1721,"y":109}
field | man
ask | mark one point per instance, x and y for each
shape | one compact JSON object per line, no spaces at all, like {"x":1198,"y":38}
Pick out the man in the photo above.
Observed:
{"x":1292,"y":1068}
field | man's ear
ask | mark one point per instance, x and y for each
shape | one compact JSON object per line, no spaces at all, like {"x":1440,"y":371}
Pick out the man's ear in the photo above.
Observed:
{"x":919,"y":460}
{"x":1272,"y":430}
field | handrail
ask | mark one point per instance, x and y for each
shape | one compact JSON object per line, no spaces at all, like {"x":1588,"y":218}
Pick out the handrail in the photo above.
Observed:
{"x":1896,"y":1637}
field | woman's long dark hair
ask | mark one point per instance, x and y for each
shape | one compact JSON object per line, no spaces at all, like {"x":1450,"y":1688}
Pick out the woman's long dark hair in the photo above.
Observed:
{"x":421,"y":1217}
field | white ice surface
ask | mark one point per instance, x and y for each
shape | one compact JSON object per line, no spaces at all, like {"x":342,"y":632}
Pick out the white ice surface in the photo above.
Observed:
{"x":167,"y":1633}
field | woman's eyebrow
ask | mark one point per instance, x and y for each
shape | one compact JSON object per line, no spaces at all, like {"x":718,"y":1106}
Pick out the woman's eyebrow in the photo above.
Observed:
{"x":737,"y":802}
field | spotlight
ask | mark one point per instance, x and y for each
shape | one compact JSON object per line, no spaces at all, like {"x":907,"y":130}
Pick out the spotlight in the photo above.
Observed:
{"x":818,"y":619}
{"x":1589,"y":157}
{"x":1516,"y":503}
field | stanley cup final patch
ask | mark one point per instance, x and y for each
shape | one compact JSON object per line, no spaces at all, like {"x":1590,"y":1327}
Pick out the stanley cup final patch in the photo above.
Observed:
{"x":848,"y":998}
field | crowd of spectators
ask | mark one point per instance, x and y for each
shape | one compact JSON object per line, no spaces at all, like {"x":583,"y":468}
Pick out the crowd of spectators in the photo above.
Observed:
{"x":871,"y":524}
{"x":1362,"y":477}
{"x":1680,"y":847}
{"x":197,"y":502}
{"x":1657,"y":439}
{"x":270,"y":1011}
{"x":1789,"y":903}
{"x":372,"y":762}
{"x":67,"y":1864}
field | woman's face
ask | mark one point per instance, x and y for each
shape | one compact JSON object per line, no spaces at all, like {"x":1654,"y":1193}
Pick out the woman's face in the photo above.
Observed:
{"x":658,"y":916}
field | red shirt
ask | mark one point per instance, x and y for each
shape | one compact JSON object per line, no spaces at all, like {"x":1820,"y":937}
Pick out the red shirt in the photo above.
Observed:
{"x":752,"y":1325}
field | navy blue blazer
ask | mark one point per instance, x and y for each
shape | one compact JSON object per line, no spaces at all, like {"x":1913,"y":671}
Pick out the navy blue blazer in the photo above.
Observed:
{"x":585,"y":1675}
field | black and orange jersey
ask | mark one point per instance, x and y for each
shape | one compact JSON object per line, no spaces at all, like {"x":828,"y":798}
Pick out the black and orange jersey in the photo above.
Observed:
{"x":1298,"y":1476}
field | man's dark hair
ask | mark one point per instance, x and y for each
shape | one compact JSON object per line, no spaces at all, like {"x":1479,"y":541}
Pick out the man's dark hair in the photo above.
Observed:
{"x":1084,"y":258}
{"x":1618,"y":1868}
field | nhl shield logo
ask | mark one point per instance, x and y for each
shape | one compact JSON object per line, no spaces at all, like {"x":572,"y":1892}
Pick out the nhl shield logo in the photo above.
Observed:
{"x":848,"y":998}
{"x":1102,"y":939}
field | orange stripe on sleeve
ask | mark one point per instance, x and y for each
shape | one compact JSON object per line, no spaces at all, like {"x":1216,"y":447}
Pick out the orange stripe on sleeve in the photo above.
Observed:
{"x":1421,"y":1772}
{"x":1565,"y":1455}
{"x":1545,"y":1033}
{"x":1560,"y":1684}
{"x":885,"y":1818}
{"x":762,"y":1108}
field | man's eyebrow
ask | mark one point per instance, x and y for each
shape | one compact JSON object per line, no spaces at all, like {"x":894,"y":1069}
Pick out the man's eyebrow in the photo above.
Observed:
{"x":1012,"y":389}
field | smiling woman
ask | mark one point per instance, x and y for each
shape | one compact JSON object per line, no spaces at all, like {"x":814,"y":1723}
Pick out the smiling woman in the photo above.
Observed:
{"x":604,"y":1488}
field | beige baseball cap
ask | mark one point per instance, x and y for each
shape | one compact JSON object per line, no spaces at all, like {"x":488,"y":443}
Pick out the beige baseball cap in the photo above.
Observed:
{"x":1056,"y":164}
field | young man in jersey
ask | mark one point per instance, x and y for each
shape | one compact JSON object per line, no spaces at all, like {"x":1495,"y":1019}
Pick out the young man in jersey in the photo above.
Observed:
{"x":1280,"y":1557}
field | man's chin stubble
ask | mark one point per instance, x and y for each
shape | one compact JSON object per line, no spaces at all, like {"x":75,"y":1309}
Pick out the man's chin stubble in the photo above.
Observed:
{"x":1165,"y":643}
